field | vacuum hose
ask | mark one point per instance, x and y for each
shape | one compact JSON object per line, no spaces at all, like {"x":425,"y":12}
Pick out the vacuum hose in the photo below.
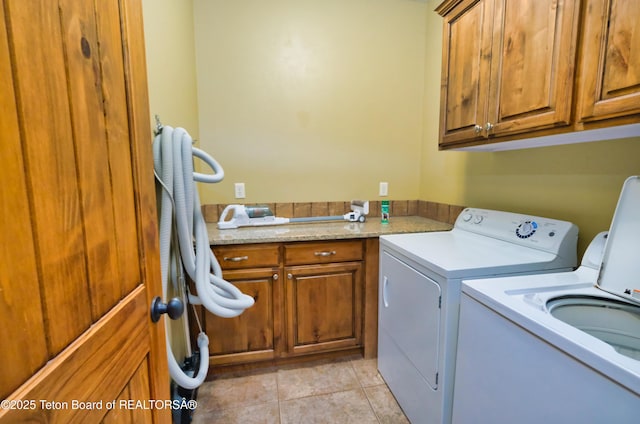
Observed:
{"x":173,"y":154}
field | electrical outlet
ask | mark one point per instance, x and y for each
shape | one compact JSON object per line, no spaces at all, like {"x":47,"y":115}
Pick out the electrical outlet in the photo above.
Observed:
{"x":384,"y":189}
{"x":239,"y":189}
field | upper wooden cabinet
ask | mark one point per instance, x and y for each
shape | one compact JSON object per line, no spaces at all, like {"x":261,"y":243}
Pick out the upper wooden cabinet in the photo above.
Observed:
{"x":610,"y":60}
{"x":507,"y":67}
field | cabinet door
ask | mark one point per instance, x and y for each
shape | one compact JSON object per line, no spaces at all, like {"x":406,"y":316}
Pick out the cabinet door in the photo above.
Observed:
{"x":255,"y":335}
{"x":610,"y":60}
{"x":533,"y":64}
{"x":324,"y":307}
{"x":466,"y":59}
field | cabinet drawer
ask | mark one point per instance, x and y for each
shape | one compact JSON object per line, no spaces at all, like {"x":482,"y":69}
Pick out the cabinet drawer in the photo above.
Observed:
{"x":247,"y":256}
{"x":323,"y":252}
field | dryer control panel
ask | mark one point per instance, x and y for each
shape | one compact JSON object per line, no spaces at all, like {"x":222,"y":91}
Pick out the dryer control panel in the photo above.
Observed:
{"x":551,"y":235}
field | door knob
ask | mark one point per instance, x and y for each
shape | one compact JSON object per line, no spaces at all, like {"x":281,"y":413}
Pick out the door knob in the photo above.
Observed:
{"x":174,"y":308}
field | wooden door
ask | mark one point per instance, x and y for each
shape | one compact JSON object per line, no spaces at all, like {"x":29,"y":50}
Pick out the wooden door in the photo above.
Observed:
{"x":466,"y":60}
{"x":610,"y":60}
{"x":324,"y":307}
{"x":79,"y":245}
{"x":533,"y":65}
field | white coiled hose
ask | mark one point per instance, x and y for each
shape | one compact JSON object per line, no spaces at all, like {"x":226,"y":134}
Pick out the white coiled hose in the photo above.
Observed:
{"x":173,"y":154}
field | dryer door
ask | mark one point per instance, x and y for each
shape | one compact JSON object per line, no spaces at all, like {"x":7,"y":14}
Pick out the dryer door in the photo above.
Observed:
{"x":409,"y":312}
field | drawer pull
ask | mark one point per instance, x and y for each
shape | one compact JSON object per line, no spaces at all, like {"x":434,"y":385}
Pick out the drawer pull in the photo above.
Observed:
{"x":236,"y":259}
{"x":325,"y":253}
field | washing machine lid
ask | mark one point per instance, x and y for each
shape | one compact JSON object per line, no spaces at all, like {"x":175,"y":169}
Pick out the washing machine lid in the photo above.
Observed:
{"x":619,"y":272}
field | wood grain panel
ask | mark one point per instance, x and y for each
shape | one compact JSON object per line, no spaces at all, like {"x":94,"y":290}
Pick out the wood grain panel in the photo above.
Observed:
{"x":256,"y":335}
{"x":323,"y":252}
{"x":117,"y":134}
{"x":135,"y":72}
{"x":247,"y":256}
{"x":301,"y":210}
{"x":85,"y":98}
{"x":324,"y":307}
{"x":533,"y":65}
{"x":463,"y":88}
{"x":610,"y":60}
{"x":622,"y":53}
{"x":466,"y":67}
{"x":527,"y":56}
{"x":19,"y":288}
{"x":315,"y":294}
{"x":370,"y":323}
{"x":54,"y":61}
{"x":118,"y":343}
{"x":139,"y":389}
{"x":41,"y":87}
{"x":120,"y":415}
{"x":251,"y":331}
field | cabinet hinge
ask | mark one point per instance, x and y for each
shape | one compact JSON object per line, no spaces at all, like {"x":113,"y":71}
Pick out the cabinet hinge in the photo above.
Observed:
{"x":440,"y":302}
{"x":437,"y":374}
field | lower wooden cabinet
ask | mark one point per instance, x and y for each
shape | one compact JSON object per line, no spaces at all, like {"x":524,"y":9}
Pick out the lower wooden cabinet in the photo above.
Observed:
{"x":309,"y":298}
{"x":256,"y":335}
{"x":324,"y":307}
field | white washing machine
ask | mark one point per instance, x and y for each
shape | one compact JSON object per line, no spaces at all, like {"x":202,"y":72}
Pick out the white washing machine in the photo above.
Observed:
{"x":556,"y":348}
{"x":419,"y":294}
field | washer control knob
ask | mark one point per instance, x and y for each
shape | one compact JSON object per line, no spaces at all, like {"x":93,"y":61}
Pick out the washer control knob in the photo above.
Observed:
{"x":467,"y":217}
{"x":477,"y":219}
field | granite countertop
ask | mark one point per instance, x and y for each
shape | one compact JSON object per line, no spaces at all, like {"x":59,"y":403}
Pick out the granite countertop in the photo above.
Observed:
{"x":330,"y":230}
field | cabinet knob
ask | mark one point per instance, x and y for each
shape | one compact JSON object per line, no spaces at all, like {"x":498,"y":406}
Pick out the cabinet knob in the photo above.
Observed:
{"x":488,"y":126}
{"x":477,"y":128}
{"x":289,"y":276}
{"x":276,"y":276}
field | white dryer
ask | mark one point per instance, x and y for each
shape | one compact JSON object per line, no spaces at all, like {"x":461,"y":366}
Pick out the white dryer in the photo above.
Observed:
{"x":419,"y":295}
{"x":561,"y":347}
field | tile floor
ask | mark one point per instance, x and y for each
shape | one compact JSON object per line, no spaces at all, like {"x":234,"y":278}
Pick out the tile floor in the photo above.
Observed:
{"x":338,"y":391}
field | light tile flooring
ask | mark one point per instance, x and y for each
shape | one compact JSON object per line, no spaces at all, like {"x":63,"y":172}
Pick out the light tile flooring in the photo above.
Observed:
{"x":337,"y":391}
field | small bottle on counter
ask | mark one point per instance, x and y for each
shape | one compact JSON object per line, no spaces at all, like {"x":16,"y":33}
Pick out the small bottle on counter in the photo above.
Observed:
{"x":384,"y":211}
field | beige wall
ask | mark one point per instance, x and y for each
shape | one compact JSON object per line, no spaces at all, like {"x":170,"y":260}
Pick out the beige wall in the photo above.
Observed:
{"x":579,"y":183}
{"x":311,"y":101}
{"x":168,"y":30}
{"x":306,"y":100}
